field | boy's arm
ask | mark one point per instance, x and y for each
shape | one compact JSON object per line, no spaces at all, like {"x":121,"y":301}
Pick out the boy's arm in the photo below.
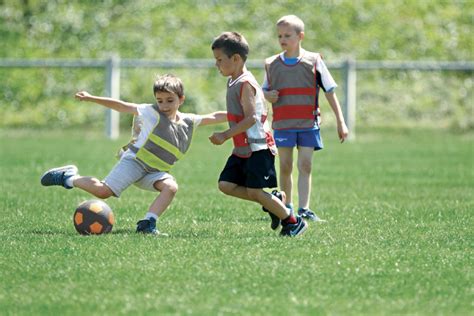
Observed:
{"x":214,"y":118}
{"x":342,"y":130}
{"x":248,"y":104}
{"x":114,"y":104}
{"x":270,"y":95}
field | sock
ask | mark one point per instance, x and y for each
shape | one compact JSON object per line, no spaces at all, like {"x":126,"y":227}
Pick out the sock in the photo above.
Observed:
{"x":290,"y":206}
{"x":149,"y":215}
{"x":290,"y":220}
{"x":69,"y":181}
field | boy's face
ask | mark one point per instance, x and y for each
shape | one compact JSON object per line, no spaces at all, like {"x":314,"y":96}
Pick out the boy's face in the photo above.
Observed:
{"x":288,"y":38}
{"x":168,"y":102}
{"x":226,"y":65}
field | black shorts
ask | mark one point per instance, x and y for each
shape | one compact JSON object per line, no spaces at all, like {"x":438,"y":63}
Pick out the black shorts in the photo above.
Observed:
{"x":256,"y":172}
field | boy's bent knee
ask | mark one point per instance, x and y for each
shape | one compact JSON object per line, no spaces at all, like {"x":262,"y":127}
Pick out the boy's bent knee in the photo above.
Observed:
{"x":172,"y":187}
{"x":169,"y":185}
{"x":225,"y":187}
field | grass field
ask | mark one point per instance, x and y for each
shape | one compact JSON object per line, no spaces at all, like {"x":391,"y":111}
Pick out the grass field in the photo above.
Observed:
{"x":399,"y":237}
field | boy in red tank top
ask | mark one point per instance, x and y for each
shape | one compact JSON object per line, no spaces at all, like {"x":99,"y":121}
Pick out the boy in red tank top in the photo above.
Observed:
{"x":292,"y":82}
{"x":251,"y":167}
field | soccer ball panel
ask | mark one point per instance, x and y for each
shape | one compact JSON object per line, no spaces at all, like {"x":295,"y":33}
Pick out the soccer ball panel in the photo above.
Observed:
{"x":96,"y":228}
{"x":96,"y":207}
{"x":78,"y":218}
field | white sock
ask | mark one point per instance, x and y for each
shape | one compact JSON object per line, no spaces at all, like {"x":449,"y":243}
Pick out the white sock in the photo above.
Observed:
{"x":149,"y":215}
{"x":69,"y":181}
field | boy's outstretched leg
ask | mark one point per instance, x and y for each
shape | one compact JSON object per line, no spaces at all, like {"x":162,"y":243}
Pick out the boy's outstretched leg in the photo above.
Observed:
{"x":67,"y":177}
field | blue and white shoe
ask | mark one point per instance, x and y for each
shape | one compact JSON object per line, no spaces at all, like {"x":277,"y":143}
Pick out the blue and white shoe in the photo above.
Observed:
{"x":148,"y":226}
{"x":307,"y":214}
{"x":293,"y":230}
{"x":58,"y":176}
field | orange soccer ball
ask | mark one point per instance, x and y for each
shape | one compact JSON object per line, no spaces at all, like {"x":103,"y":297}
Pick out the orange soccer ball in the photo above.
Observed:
{"x":93,"y":217}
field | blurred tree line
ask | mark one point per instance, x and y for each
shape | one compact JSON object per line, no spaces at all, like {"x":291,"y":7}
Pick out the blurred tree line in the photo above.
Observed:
{"x":168,"y":29}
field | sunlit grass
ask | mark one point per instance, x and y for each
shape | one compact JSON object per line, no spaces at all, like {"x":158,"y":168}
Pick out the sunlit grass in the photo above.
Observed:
{"x":398,"y":239}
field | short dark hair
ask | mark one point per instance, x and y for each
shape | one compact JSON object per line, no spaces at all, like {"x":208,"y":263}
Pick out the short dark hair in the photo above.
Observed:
{"x":232,"y":43}
{"x":168,"y":83}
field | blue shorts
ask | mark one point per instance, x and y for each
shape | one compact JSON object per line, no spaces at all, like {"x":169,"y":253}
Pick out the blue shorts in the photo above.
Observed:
{"x":311,"y":138}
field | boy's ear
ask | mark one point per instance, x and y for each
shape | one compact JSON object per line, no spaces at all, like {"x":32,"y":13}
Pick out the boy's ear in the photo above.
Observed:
{"x":236,"y":57}
{"x":301,"y":36}
{"x":181,"y":100}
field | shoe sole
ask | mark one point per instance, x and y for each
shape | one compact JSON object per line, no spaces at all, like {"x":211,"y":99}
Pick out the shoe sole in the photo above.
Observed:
{"x":57,"y":169}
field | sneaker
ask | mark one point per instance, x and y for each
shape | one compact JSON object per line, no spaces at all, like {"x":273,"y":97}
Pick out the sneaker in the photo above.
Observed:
{"x":275,"y":220}
{"x":294,"y":230}
{"x":309,"y":215}
{"x":148,"y":226}
{"x":58,"y":176}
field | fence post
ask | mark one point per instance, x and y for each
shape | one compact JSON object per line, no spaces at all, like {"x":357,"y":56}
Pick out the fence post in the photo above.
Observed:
{"x":113,"y":90}
{"x":349,"y":111}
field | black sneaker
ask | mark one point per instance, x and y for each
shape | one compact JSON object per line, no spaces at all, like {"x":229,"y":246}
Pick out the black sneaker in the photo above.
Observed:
{"x":275,"y":220}
{"x":147,"y":226}
{"x":307,"y":214}
{"x":58,"y":176}
{"x":293,"y":230}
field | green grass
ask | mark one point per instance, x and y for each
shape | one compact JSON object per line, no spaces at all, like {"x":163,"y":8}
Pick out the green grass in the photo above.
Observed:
{"x":399,"y":238}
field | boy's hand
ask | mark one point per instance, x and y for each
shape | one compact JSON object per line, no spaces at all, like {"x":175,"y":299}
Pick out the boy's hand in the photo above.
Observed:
{"x":218,"y":138}
{"x":342,"y":131}
{"x":82,"y":95}
{"x":271,"y":96}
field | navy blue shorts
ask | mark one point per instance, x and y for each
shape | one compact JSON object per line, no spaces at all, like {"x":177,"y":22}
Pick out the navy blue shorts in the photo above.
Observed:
{"x":311,"y":138}
{"x":256,"y":172}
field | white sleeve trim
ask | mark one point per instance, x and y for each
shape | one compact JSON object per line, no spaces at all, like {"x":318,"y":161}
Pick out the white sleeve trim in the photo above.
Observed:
{"x":197,"y":120}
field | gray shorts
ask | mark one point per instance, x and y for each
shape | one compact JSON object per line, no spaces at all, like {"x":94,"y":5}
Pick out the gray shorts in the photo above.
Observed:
{"x":129,"y":171}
